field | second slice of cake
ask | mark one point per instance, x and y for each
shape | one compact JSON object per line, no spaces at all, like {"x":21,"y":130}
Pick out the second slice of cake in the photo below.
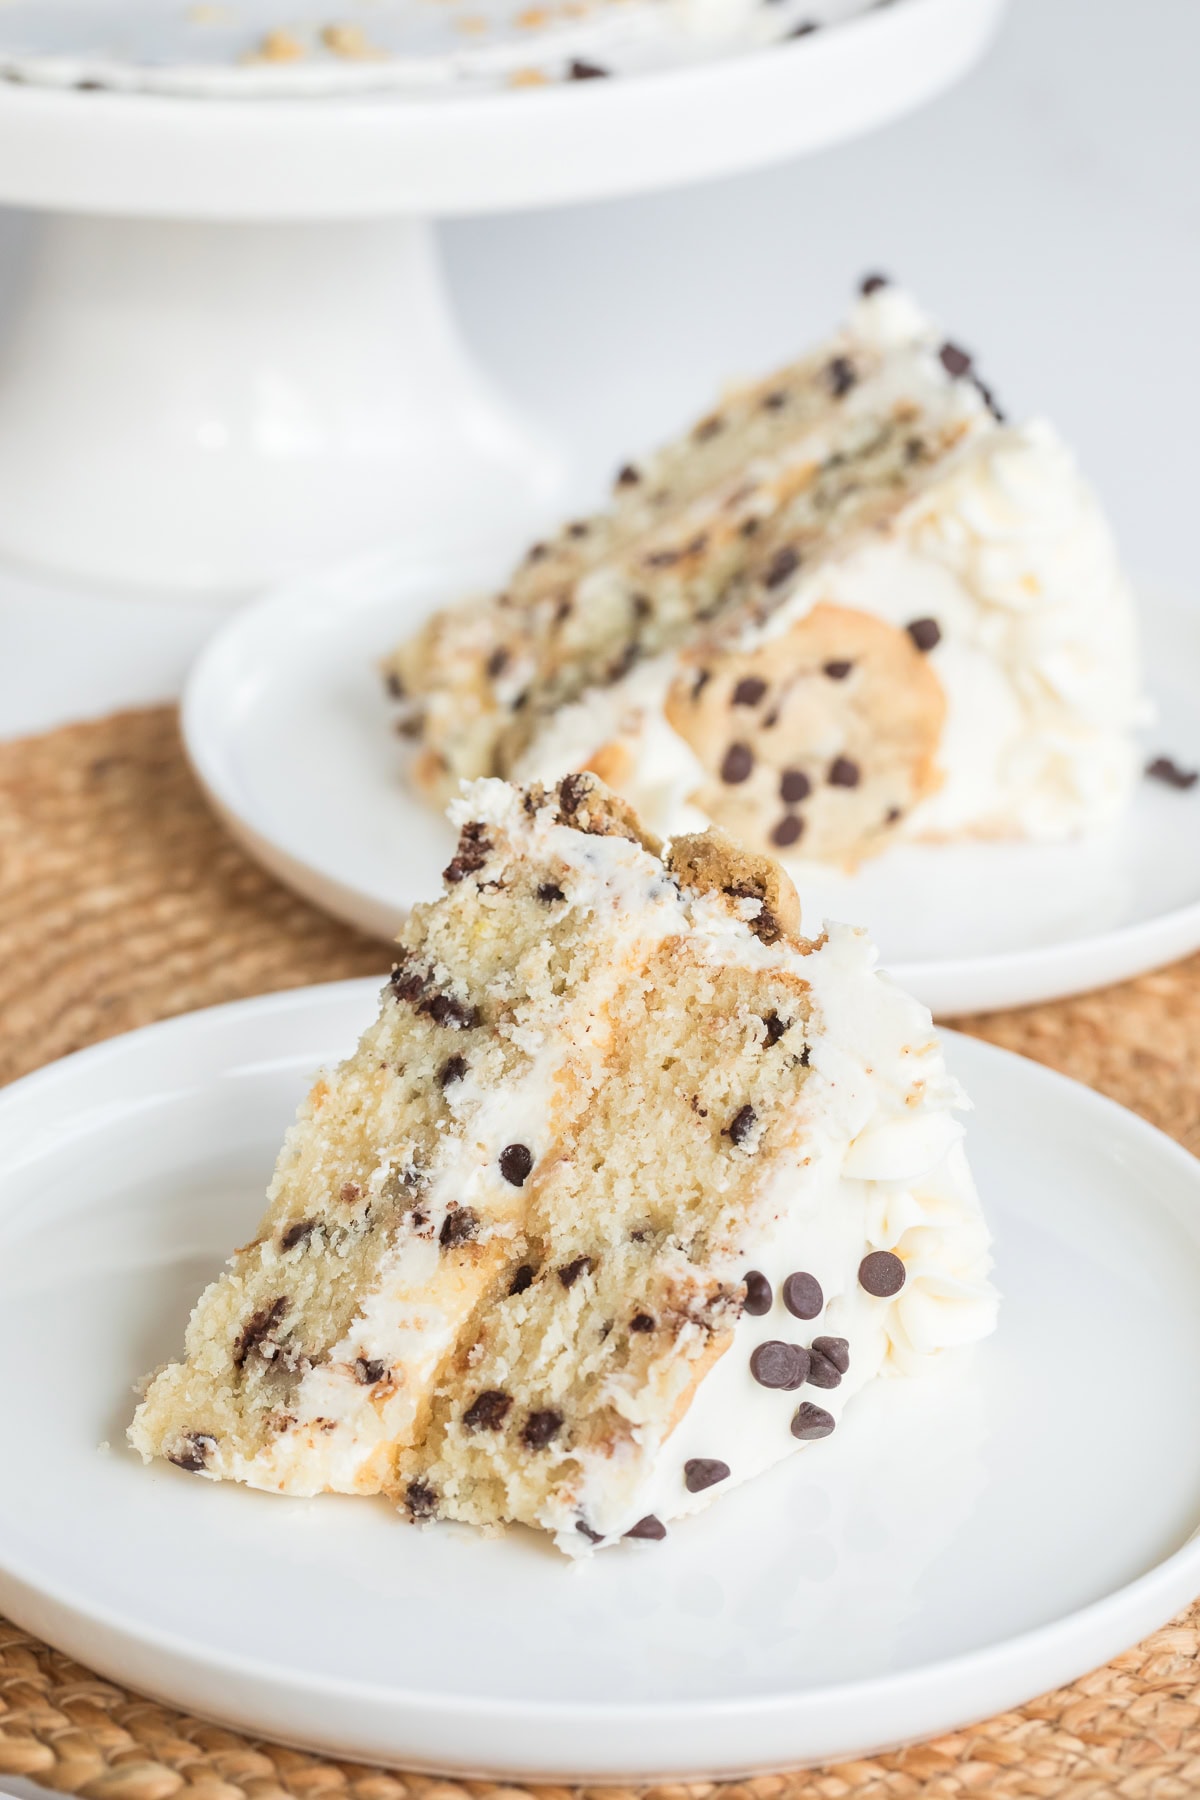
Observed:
{"x":625,"y":1193}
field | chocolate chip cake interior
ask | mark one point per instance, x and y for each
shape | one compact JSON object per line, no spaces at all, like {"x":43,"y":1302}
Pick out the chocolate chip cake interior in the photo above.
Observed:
{"x":623,"y":1195}
{"x":852,"y":606}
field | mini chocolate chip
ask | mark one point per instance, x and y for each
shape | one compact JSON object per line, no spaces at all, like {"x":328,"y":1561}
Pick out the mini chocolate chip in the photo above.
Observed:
{"x":794,"y":786}
{"x":515,"y":1163}
{"x":843,"y":772}
{"x":758,"y":1294}
{"x":775,"y":1028}
{"x":641,"y":1322}
{"x":891,"y":815}
{"x":369,"y":1372}
{"x":989,"y":400}
{"x":749,"y":691}
{"x":871,"y":284}
{"x":421,"y":1499}
{"x":578,"y":528}
{"x":522,"y":1279}
{"x":811,"y":1422}
{"x":458,"y":1227}
{"x":785,"y":562}
{"x":649,"y":1527}
{"x":926,"y":634}
{"x":804,"y":29}
{"x":663,"y":559}
{"x":955,"y":361}
{"x":593,"y":1537}
{"x":841,"y":376}
{"x":749,"y":528}
{"x":474,"y":847}
{"x":788,"y":830}
{"x":881,"y":1274}
{"x":296,"y":1233}
{"x":541,"y":1428}
{"x":776,"y":399}
{"x":258,"y":1326}
{"x":778,"y":1365}
{"x":573,"y":791}
{"x":835,"y":1350}
{"x":570,"y":1272}
{"x":452,"y":1070}
{"x":1164,"y":769}
{"x":192,"y":1452}
{"x":802,"y":1294}
{"x":445,"y":1010}
{"x":804,"y":1055}
{"x":642,"y":605}
{"x":737,"y":764}
{"x":395,"y":686}
{"x":741,"y":1125}
{"x":350,"y":1192}
{"x":701,"y":682}
{"x":837,"y":671}
{"x":708,"y":428}
{"x":549,"y":893}
{"x":700,"y":1472}
{"x":628,"y":476}
{"x":406,"y":982}
{"x":497,"y":662}
{"x":488,"y":1411}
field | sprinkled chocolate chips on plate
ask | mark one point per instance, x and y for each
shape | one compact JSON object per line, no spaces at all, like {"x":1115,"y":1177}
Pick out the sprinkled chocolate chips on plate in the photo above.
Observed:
{"x":881,"y":1274}
{"x":803,"y":1295}
{"x":701,"y":1472}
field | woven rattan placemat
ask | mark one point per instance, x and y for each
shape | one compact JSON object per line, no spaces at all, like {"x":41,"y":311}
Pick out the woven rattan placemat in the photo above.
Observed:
{"x":122,"y":901}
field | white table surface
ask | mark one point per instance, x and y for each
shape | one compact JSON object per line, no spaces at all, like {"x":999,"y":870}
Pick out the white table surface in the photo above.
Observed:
{"x":1046,"y":209}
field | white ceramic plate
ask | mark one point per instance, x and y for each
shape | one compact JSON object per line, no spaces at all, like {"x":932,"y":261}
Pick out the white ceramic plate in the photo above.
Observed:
{"x":286,"y":724}
{"x":963,"y":1543}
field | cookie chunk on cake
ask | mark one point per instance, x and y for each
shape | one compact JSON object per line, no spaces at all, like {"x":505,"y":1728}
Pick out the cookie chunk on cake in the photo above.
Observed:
{"x":626,"y":1191}
{"x":853,"y":606}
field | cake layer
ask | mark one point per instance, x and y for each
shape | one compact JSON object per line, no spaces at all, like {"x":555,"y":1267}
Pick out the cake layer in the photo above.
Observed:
{"x":852,"y":607}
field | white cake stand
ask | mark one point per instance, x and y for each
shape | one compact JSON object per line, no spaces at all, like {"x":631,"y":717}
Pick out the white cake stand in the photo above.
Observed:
{"x":233,"y":355}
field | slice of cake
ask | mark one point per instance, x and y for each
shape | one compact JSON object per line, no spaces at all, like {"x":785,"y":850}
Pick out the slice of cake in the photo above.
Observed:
{"x":852,"y":607}
{"x":623,"y":1195}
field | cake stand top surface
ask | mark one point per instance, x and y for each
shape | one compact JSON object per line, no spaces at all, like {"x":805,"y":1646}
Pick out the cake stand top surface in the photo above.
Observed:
{"x":695,"y":89}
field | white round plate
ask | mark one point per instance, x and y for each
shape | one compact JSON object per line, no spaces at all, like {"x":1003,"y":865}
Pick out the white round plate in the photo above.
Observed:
{"x":362,"y":154}
{"x":964,"y":1542}
{"x":288,"y":728}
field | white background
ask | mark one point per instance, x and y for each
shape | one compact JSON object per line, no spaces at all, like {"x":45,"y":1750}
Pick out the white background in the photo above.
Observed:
{"x":1048,"y":209}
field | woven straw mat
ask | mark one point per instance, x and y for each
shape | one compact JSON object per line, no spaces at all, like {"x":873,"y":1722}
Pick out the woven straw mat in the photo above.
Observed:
{"x":122,"y":901}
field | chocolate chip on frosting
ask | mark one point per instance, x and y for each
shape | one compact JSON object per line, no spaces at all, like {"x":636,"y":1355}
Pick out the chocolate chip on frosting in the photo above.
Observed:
{"x":789,"y":830}
{"x":926,"y":634}
{"x":541,"y":1428}
{"x":741,"y":1124}
{"x":738,"y":764}
{"x":829,"y":1360}
{"x":785,"y":562}
{"x":811,"y":1422}
{"x":749,"y":691}
{"x":758,"y":1294}
{"x":802,"y":1295}
{"x":458,"y":1227}
{"x":843,"y":772}
{"x":794,"y":786}
{"x":368,"y":1371}
{"x":881,"y":1274}
{"x":700,"y":1472}
{"x":649,"y":1527}
{"x":593,"y":1537}
{"x":955,"y":361}
{"x":488,"y":1411}
{"x":778,"y":1365}
{"x":516,"y":1160}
